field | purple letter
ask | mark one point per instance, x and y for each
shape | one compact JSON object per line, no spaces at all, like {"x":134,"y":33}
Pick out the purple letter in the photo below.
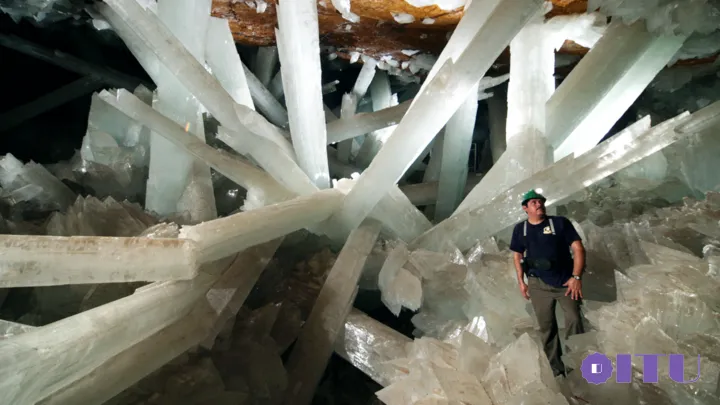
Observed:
{"x":624,"y":369}
{"x":677,"y":369}
{"x":650,"y":367}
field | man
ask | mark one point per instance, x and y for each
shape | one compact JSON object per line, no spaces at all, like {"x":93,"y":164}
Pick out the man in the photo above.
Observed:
{"x":541,"y":246}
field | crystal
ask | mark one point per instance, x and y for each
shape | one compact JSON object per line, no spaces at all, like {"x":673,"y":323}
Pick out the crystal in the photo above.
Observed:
{"x":222,"y":58}
{"x":515,"y":370}
{"x":605,"y":159}
{"x":350,"y":102}
{"x":381,"y":98}
{"x":92,"y":217}
{"x":368,"y":344}
{"x":591,"y":100}
{"x":60,"y":260}
{"x":77,"y":345}
{"x":266,"y":60}
{"x":172,"y":340}
{"x":314,"y":346}
{"x":9,"y":329}
{"x":33,"y":184}
{"x":457,"y":141}
{"x":224,"y":236}
{"x":298,"y":45}
{"x":236,"y":170}
{"x":426,"y":193}
{"x":139,"y":28}
{"x":363,"y":123}
{"x":445,"y":93}
{"x":399,"y":287}
{"x":532,"y":82}
{"x":276,"y":162}
{"x":265,"y":101}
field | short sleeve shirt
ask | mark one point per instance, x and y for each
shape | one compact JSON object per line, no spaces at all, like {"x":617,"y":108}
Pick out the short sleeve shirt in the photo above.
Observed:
{"x":540,"y":243}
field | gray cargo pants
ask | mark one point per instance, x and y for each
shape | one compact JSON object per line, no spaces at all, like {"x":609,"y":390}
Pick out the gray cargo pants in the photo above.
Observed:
{"x":543,"y":298}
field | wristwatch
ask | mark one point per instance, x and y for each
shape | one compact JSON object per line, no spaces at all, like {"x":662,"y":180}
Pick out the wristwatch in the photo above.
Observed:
{"x":576,"y":277}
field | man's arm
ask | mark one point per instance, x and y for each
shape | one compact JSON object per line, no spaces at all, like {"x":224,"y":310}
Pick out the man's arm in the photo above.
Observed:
{"x":578,"y":257}
{"x":517,"y":258}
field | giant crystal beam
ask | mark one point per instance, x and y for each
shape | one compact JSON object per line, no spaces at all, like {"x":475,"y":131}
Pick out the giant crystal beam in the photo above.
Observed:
{"x":604,"y":84}
{"x":55,"y":260}
{"x":368,"y":345}
{"x":434,"y":106}
{"x":242,"y":173}
{"x":360,"y":124}
{"x":427,"y":193}
{"x":350,"y":103}
{"x":165,"y":345}
{"x":133,"y":24}
{"x":457,"y":140}
{"x":314,"y":345}
{"x":469,"y":226}
{"x":224,"y":236}
{"x":532,"y":81}
{"x":265,"y":101}
{"x":37,"y":363}
{"x":381,"y":96}
{"x":299,"y":47}
{"x":224,"y":61}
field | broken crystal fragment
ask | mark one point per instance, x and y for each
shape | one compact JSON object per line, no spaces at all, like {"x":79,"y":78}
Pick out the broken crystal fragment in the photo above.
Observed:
{"x":33,"y":184}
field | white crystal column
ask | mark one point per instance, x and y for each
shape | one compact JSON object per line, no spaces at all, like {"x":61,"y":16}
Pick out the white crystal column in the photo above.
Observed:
{"x":532,"y":65}
{"x":457,"y":141}
{"x":232,"y":167}
{"x":350,"y":102}
{"x":469,"y":226}
{"x":265,"y":101}
{"x":225,"y":236}
{"x":434,"y":107}
{"x":298,"y":44}
{"x":497,"y":115}
{"x":56,"y":260}
{"x":265,"y":61}
{"x":171,"y":168}
{"x":360,"y":124}
{"x":382,"y":98}
{"x":314,"y":345}
{"x":37,"y":363}
{"x":224,"y":62}
{"x":165,"y":345}
{"x":136,"y":26}
{"x":604,"y":84}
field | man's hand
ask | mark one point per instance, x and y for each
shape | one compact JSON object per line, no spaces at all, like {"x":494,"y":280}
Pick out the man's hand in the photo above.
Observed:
{"x":524,"y":290}
{"x":574,"y":288}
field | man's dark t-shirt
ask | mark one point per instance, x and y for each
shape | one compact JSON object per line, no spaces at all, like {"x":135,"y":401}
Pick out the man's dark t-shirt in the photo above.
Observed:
{"x":540,"y":243}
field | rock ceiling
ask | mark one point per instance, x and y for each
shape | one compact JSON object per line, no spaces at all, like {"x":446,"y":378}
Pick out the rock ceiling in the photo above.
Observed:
{"x":377,"y":34}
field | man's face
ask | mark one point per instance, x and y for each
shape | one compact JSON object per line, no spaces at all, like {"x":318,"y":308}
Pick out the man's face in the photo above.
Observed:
{"x":535,"y":207}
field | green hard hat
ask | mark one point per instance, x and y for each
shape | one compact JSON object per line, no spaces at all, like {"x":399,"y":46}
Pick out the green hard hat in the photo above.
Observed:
{"x":531,"y":195}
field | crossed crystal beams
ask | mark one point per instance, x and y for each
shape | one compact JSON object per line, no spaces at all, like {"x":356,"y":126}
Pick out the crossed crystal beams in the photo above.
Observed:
{"x":433,"y":107}
{"x":464,"y":229}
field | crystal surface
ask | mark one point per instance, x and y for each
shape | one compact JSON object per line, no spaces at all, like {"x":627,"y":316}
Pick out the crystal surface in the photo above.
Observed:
{"x":224,"y":62}
{"x":457,"y":141}
{"x":224,"y":236}
{"x":314,"y":346}
{"x":381,"y":98}
{"x":363,"y":123}
{"x":443,"y":96}
{"x":532,"y":67}
{"x":591,"y":100}
{"x":171,"y":341}
{"x":264,"y":100}
{"x":32,"y":184}
{"x":619,"y":152}
{"x":67,"y":260}
{"x":299,"y":48}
